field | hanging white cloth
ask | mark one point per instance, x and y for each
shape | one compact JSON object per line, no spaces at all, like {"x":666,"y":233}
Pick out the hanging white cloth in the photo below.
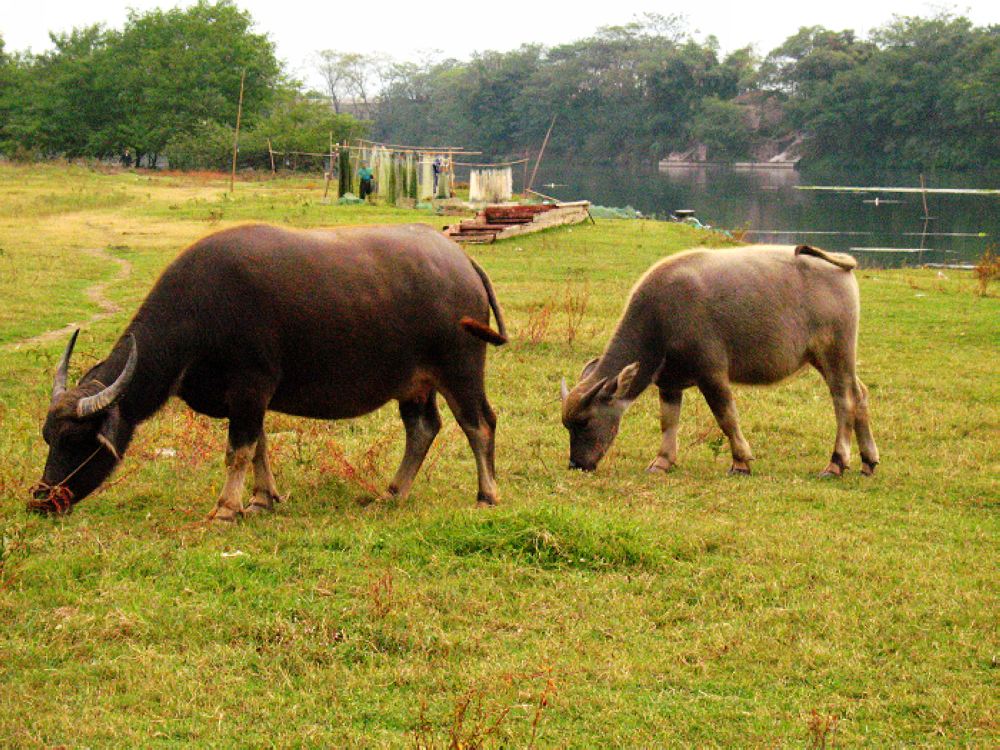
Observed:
{"x":426,"y":191}
{"x":491,"y":184}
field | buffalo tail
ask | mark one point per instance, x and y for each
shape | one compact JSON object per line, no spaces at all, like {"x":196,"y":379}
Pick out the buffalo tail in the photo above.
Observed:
{"x":481,"y":330}
{"x":840,"y":260}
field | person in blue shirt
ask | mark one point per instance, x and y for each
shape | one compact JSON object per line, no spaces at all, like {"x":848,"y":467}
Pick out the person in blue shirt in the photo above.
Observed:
{"x":365,"y":175}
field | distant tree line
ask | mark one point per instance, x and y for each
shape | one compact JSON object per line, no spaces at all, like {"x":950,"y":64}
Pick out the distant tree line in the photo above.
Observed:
{"x":919,"y":92}
{"x":167,"y":84}
{"x":916,"y":93}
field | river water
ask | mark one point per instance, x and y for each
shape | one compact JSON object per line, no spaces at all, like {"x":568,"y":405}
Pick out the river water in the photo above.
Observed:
{"x":771,"y":206}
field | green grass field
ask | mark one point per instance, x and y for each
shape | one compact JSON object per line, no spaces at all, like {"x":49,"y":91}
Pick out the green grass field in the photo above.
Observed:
{"x":614,"y":609}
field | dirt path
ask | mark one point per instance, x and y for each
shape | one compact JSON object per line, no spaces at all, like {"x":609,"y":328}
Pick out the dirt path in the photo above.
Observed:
{"x":95,"y":294}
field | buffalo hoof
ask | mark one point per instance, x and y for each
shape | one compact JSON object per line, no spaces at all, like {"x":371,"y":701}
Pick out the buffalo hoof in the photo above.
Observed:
{"x":832,"y":471}
{"x":868,"y":469}
{"x":739,"y":469}
{"x":485,"y":501}
{"x":660,"y":465}
{"x":262,"y":501}
{"x":255,"y":508}
{"x":223,"y":514}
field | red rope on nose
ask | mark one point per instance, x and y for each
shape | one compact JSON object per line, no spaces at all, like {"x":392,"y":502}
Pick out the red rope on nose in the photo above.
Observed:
{"x":59,"y":495}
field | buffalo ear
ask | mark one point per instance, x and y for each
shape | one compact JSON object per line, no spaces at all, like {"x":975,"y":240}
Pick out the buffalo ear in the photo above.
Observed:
{"x":620,"y":386}
{"x":589,"y":368}
{"x":589,"y":395}
{"x":108,"y":434}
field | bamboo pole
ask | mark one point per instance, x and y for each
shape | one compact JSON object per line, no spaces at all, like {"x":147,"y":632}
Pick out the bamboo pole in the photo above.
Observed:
{"x":328,"y":172}
{"x":270,"y":153}
{"x":542,"y":195}
{"x":524,"y":180}
{"x":542,"y":151}
{"x":236,"y":137}
{"x":355,"y":158}
{"x":302,"y":153}
{"x":398,"y":147}
{"x":923,"y":196}
{"x":494,"y":164}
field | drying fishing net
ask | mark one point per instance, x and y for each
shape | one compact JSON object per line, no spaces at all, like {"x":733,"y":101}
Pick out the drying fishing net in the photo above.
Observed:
{"x":611,"y":212}
{"x":491,"y":185}
{"x":411,"y":176}
{"x":425,"y":190}
{"x":444,"y":183}
{"x":383,"y":158}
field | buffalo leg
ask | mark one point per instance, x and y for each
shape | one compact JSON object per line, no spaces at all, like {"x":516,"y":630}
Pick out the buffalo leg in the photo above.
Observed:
{"x":863,"y":431}
{"x":422,"y":422}
{"x":478,"y":422}
{"x":837,"y":370}
{"x":265,"y":490}
{"x":670,"y":415}
{"x":230,"y":503}
{"x":719,"y":396}
{"x":246,"y":427}
{"x":843,"y":407}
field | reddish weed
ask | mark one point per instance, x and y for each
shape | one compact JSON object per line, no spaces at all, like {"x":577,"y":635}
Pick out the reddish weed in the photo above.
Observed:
{"x":478,"y":716}
{"x":575,"y":302}
{"x":380,"y":595}
{"x":339,"y":466}
{"x":539,"y":321}
{"x":822,"y":730}
{"x":987,"y":270}
{"x":472,"y":724}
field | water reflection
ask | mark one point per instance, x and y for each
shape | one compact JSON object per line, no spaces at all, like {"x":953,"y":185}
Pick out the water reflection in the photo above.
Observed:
{"x":879,"y":228}
{"x":762,"y":179}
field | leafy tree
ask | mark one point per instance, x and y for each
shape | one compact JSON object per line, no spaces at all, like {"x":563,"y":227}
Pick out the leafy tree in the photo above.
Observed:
{"x":722,"y":126}
{"x":293,"y":124}
{"x":166,"y":73}
{"x":64,"y":106}
{"x":922,"y":95}
{"x":7,"y":83}
{"x":812,"y":56}
{"x":178,"y":69}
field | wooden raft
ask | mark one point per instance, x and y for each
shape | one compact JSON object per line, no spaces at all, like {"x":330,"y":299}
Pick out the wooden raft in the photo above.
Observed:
{"x":499,"y":222}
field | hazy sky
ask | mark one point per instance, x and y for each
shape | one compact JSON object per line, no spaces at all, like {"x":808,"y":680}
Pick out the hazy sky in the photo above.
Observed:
{"x":405,"y":29}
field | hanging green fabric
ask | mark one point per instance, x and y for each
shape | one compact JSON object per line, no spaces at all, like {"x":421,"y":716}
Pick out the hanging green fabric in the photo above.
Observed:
{"x":400,"y":167}
{"x":444,"y":186}
{"x":384,"y":171}
{"x":390,"y":187}
{"x":345,"y":181}
{"x":411,"y":179}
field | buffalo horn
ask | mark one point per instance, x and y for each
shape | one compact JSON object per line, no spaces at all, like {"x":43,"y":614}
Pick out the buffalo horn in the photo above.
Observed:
{"x":101,"y":401}
{"x":62,"y":373}
{"x":563,"y":391}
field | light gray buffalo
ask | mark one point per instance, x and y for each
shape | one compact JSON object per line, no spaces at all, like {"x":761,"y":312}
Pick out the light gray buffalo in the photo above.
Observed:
{"x":709,"y":318}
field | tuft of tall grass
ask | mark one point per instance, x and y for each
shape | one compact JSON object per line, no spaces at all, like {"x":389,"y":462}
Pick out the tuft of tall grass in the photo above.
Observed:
{"x":549,"y":537}
{"x":987,"y":270}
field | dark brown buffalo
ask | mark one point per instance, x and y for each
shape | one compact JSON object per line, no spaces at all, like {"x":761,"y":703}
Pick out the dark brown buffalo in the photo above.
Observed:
{"x":326,"y":324}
